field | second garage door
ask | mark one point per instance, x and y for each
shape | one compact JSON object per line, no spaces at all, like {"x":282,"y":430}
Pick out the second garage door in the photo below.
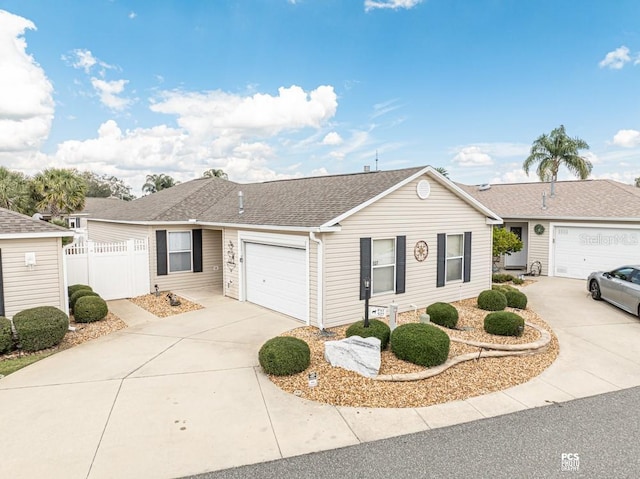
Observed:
{"x":276,"y":278}
{"x":579,"y":251}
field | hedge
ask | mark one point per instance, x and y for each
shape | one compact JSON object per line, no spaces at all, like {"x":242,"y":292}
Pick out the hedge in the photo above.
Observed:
{"x":40,"y":328}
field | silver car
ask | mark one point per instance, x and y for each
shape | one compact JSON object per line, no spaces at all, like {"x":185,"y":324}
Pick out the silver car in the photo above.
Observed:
{"x":620,"y":287}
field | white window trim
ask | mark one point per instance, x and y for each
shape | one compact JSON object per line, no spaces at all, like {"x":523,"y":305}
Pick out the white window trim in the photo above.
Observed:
{"x":447,"y":258}
{"x":394,"y":264}
{"x":190,"y":251}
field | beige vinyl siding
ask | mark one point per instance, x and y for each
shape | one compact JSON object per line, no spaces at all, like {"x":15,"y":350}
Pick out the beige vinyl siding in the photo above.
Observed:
{"x":116,"y":232}
{"x":211,"y":275}
{"x":539,"y":246}
{"x":43,"y":285}
{"x":403,"y":213}
{"x":231,"y":262}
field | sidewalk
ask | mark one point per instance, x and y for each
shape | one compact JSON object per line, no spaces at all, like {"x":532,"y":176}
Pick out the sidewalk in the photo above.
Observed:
{"x":184,"y":395}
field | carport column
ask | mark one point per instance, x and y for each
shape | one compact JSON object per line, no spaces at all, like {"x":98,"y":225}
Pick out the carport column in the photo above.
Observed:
{"x":319,"y":269}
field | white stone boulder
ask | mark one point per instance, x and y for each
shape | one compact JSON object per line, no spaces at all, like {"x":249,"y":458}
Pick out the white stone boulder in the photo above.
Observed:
{"x":354,"y":353}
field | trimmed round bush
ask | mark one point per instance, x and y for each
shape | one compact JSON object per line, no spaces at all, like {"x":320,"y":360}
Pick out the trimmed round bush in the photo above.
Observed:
{"x":516,"y":299}
{"x":503,"y":287}
{"x":517,"y":281}
{"x":376,"y":329}
{"x":492,"y":300}
{"x":77,"y":287}
{"x":443,"y":314}
{"x":284,"y":356}
{"x":419,"y":343}
{"x":6,"y":338}
{"x":81,"y":293}
{"x":89,"y":309}
{"x":504,"y":323}
{"x":40,"y":328}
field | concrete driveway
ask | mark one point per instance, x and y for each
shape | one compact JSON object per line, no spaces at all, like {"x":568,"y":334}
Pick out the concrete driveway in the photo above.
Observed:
{"x":183,"y":395}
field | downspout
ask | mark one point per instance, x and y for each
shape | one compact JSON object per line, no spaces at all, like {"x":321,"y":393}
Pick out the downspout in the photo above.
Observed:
{"x":319,"y":270}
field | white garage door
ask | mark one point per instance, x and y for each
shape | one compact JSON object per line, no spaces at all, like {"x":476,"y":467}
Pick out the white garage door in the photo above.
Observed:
{"x":579,"y":251}
{"x":276,"y":278}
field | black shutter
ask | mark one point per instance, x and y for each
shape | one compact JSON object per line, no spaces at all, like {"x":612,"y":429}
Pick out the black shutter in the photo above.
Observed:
{"x":365,"y":263}
{"x":467,"y":256}
{"x":196,"y":238}
{"x":401,"y":263}
{"x":161,"y":252}
{"x":1,"y":288}
{"x":441,"y":259}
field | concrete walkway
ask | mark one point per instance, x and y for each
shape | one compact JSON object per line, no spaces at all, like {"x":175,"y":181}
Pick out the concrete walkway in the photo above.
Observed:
{"x":170,"y":397}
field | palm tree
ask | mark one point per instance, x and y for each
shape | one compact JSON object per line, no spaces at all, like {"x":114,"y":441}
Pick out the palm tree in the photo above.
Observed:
{"x":14,"y":191}
{"x":637,"y":180}
{"x":158,"y":182}
{"x":443,"y":171}
{"x":59,"y":190}
{"x":551,"y":151}
{"x":215,"y":173}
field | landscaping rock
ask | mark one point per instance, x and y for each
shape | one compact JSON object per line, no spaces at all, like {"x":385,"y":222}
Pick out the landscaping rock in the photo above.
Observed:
{"x":361,"y":355}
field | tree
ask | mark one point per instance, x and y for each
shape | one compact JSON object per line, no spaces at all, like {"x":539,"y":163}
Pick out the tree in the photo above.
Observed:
{"x":105,"y":186}
{"x":637,"y":180}
{"x":215,"y":173}
{"x":443,"y":171}
{"x":14,"y":192}
{"x":157,"y":183}
{"x":505,"y":242}
{"x":557,"y":149}
{"x":59,"y":190}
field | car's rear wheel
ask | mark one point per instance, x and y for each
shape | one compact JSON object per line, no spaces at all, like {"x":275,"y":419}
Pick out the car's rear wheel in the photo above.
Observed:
{"x":595,"y":289}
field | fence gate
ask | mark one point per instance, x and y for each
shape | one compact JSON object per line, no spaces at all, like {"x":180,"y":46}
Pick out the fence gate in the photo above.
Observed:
{"x":113,"y":270}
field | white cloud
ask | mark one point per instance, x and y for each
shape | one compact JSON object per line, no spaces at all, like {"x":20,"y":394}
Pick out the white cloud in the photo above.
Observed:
{"x":132,"y":15}
{"x":84,"y":60}
{"x":218,"y":113}
{"x":616,"y":59}
{"x":472,"y":156}
{"x":391,"y":4}
{"x":383,"y":108}
{"x":332,"y":139}
{"x":627,"y":138}
{"x":26,"y":101}
{"x":108,"y":92}
{"x":514,"y":176}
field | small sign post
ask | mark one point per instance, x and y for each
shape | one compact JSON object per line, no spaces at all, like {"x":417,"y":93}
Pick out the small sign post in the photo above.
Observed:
{"x":313,"y":379}
{"x":377,"y":311}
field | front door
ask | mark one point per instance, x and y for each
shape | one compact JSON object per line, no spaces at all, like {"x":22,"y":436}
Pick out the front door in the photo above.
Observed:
{"x":517,"y":260}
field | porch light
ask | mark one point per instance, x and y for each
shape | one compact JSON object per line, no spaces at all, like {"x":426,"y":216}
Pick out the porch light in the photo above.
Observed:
{"x":367,"y":295}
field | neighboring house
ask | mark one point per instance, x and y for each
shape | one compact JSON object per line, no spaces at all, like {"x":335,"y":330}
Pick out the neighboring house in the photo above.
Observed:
{"x":77,"y":220}
{"x":585,"y":226}
{"x":31,"y":264}
{"x":305,"y":246}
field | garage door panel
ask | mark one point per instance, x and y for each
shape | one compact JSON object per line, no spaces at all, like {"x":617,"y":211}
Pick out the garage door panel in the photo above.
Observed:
{"x":578,"y":251}
{"x":276,"y":278}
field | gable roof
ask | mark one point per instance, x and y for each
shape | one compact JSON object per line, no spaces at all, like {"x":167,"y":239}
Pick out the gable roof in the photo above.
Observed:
{"x":16,"y":225}
{"x":587,"y":199}
{"x":315,"y":202}
{"x":96,"y":206}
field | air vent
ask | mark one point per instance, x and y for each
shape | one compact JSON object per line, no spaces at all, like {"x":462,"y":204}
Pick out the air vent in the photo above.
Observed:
{"x":484,"y":187}
{"x":423,"y":189}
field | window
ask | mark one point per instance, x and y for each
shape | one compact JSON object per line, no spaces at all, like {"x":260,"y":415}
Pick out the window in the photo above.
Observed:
{"x":179,"y":251}
{"x":455,"y":250}
{"x":383,"y":263}
{"x":74,"y":222}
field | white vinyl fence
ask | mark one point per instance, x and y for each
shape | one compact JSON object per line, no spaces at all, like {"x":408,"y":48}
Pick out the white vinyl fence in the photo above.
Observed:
{"x":113,"y":270}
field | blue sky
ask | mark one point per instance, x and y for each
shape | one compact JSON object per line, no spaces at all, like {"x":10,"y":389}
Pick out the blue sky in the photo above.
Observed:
{"x":268,"y":89}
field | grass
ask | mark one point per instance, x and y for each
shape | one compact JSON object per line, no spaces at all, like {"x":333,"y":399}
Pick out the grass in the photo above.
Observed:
{"x":8,"y":366}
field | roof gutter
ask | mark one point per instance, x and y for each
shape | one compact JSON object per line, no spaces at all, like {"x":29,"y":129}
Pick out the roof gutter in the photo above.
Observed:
{"x":320,"y":286}
{"x":52,"y":234}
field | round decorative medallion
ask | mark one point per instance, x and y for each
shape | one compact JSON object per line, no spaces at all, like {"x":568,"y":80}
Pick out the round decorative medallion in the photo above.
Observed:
{"x":423,"y":189}
{"x":539,"y":229}
{"x":421,"y":251}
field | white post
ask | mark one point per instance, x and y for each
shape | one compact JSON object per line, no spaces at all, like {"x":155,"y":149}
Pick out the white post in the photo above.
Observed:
{"x":393,"y":316}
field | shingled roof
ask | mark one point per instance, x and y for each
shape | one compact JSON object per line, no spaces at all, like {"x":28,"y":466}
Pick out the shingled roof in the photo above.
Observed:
{"x":588,"y":199}
{"x":15,"y":224}
{"x":301,"y":202}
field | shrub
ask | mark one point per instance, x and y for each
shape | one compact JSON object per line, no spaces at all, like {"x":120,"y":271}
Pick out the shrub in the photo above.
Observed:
{"x":89,"y":309}
{"x":81,"y":293}
{"x":422,"y":344}
{"x":76,"y":287}
{"x":502,"y":278}
{"x":504,"y":323}
{"x":40,"y":328}
{"x":284,"y":355}
{"x":443,"y":314}
{"x":503,"y":288}
{"x":6,"y":338}
{"x":492,"y":300}
{"x":376,"y":329}
{"x":516,"y":299}
{"x":517,"y":281}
